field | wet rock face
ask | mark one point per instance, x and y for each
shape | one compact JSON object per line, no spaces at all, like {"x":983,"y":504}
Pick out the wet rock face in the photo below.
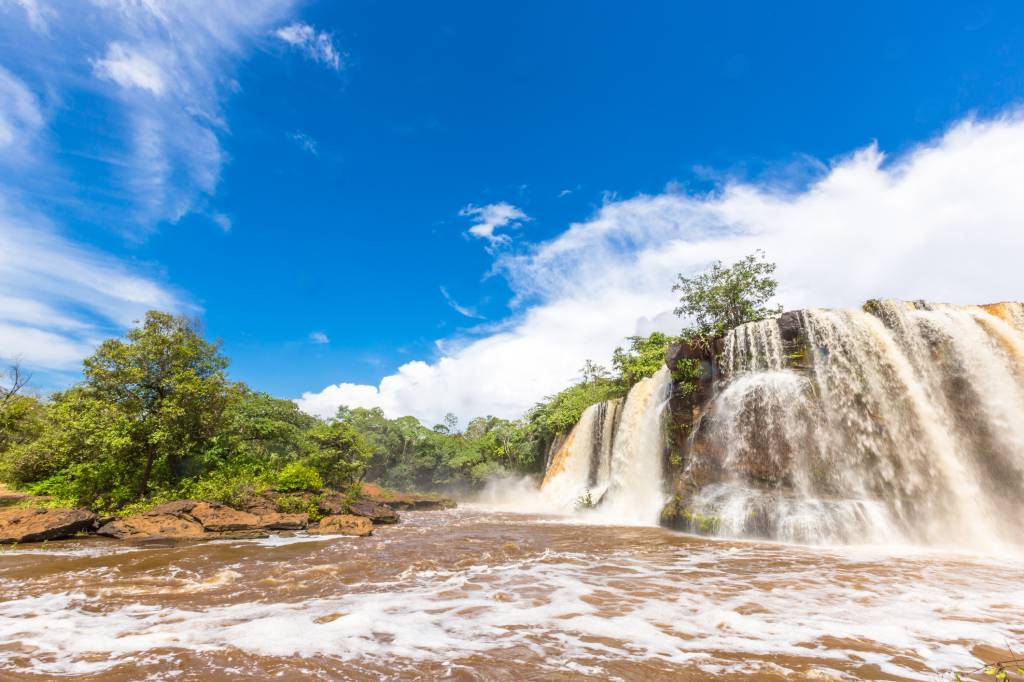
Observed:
{"x":345,"y":524}
{"x":377,"y":512}
{"x":37,"y":525}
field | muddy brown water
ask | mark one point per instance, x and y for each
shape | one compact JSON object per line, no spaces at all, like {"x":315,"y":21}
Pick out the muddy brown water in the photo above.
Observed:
{"x":476,"y":594}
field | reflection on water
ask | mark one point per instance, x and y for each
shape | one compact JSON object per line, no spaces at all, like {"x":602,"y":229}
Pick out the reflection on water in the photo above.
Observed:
{"x":478,"y":594}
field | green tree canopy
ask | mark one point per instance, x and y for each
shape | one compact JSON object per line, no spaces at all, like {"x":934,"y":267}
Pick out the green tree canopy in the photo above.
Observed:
{"x":723,"y":297}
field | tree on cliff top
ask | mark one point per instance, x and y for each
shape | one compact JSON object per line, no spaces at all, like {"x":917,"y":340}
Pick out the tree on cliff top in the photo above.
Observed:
{"x":723,"y":297}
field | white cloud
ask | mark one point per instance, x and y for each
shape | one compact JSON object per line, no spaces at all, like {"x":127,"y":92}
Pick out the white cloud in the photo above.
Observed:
{"x":317,"y":45}
{"x":460,"y":309}
{"x":319,"y":338}
{"x":20,"y":116}
{"x":941,"y":222}
{"x":492,"y":217}
{"x":58,"y":298}
{"x":165,"y":69}
{"x":38,"y":15}
{"x":129,"y":68}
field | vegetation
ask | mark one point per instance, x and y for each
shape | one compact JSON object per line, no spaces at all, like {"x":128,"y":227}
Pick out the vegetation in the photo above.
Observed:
{"x":156,"y":417}
{"x":722,"y":297}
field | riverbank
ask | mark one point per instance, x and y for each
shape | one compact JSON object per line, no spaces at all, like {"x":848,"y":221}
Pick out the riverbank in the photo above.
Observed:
{"x":324,"y":511}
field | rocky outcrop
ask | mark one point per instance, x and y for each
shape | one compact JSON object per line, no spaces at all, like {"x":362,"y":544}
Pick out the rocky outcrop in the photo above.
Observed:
{"x":406,"y":501}
{"x":377,"y":512}
{"x":152,"y":525}
{"x":219,"y":518}
{"x":278,"y":521}
{"x":344,"y":524}
{"x":37,"y":525}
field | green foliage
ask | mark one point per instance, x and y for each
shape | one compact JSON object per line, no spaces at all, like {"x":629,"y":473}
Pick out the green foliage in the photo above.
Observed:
{"x":722,"y":297}
{"x":295,"y":504}
{"x":561,"y":411}
{"x":645,"y":356}
{"x":687,"y":375}
{"x":585,"y":501}
{"x":341,"y":455}
{"x":297,"y":477}
{"x":231,"y":484}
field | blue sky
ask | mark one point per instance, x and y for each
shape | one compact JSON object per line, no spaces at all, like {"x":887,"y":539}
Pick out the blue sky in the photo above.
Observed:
{"x":420,"y":193}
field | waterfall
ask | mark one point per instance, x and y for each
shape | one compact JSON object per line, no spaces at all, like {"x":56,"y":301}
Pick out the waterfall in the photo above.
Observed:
{"x":635,"y":490}
{"x":907,"y":425}
{"x":614,"y":453}
{"x":582,"y":463}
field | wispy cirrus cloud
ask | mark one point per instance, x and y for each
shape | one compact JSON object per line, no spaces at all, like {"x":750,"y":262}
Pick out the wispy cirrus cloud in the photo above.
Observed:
{"x":319,"y":338}
{"x":940,"y":222}
{"x":316,"y":45}
{"x":306,"y":142}
{"x":59,"y":298}
{"x":163,"y":70}
{"x":465,"y":311}
{"x":160,"y":72}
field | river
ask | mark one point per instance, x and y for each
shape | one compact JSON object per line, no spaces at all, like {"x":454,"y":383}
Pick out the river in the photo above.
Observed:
{"x":478,"y":594}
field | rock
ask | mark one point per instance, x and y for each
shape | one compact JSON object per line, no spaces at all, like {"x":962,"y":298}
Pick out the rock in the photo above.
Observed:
{"x":278,"y":521}
{"x":36,"y":525}
{"x":345,"y":524}
{"x":791,"y":326}
{"x":377,"y":512}
{"x":152,"y":525}
{"x":219,"y":518}
{"x":332,"y":502}
{"x":263,"y":504}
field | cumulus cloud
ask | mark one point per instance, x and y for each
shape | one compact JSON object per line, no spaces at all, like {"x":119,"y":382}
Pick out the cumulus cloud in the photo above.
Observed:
{"x":490,"y":218}
{"x":319,"y":338}
{"x":316,"y":45}
{"x":940,"y":222}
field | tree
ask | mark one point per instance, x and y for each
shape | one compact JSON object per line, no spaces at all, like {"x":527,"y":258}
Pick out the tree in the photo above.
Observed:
{"x":167,"y":385}
{"x":645,"y":356}
{"x":341,"y":455}
{"x":722,"y":297}
{"x":21,"y":416}
{"x":591,"y":371}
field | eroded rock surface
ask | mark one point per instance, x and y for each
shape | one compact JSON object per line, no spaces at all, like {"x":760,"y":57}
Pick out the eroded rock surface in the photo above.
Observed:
{"x":220,"y":518}
{"x":37,"y":525}
{"x":345,"y":524}
{"x":152,"y":525}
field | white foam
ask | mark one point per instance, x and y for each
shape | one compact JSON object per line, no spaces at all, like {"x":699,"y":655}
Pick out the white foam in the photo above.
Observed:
{"x":699,"y":605}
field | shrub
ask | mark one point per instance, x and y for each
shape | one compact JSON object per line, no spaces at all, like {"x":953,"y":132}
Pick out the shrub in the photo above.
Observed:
{"x":297,"y":476}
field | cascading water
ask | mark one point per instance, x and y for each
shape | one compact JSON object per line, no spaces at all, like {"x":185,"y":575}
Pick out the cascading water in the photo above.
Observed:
{"x":904,"y":423}
{"x":614,"y":455}
{"x":635,"y":491}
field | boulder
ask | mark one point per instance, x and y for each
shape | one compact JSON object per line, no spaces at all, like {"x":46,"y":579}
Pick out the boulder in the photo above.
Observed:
{"x":377,"y":512}
{"x":345,"y":524}
{"x":219,"y":518}
{"x":36,"y":525}
{"x":278,"y":521}
{"x":152,"y":525}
